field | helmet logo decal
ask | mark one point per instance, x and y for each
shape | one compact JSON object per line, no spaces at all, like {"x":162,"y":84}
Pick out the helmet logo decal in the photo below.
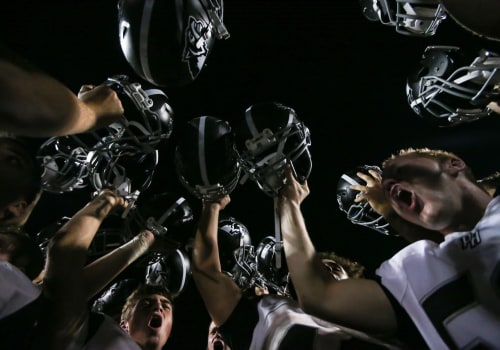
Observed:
{"x":195,"y":50}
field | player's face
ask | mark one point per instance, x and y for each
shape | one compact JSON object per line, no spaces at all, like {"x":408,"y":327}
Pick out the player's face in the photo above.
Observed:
{"x":215,"y":341}
{"x":151,"y":320}
{"x":423,"y":190}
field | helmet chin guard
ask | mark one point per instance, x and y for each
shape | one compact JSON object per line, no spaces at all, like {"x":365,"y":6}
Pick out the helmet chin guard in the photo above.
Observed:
{"x":360,"y":213}
{"x":419,"y":18}
{"x":452,"y":87}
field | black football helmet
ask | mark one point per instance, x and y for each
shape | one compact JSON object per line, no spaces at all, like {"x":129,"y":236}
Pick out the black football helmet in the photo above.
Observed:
{"x":172,"y":270}
{"x":231,"y":235}
{"x":122,"y":156}
{"x":111,"y":300}
{"x":167,"y":42}
{"x":410,"y":17}
{"x":275,"y":278}
{"x":269,"y":137}
{"x":453,"y":87}
{"x":206,"y":160}
{"x":360,"y":213}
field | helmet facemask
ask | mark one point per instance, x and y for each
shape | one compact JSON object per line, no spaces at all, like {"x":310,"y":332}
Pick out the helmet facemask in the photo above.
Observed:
{"x":359,"y":213}
{"x":409,"y":17}
{"x":266,"y":153}
{"x":451,"y":88}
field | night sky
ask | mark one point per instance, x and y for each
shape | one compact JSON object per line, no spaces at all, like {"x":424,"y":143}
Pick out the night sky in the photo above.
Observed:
{"x":344,"y":75}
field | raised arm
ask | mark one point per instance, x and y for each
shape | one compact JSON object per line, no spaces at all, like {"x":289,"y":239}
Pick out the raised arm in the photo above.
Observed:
{"x":357,"y":303}
{"x":35,"y":104}
{"x":218,"y":291}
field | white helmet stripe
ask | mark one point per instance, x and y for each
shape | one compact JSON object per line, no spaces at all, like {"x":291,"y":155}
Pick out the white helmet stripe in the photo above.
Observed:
{"x":144,"y":35}
{"x":201,"y":151}
{"x":250,"y":123}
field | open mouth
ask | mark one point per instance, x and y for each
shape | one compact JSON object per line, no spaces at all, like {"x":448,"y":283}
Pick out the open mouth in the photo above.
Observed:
{"x":155,"y":321}
{"x":218,"y":345}
{"x":403,"y":197}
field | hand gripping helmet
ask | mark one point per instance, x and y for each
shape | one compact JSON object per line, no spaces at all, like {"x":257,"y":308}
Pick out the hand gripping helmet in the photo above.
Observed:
{"x":452,"y":87}
{"x":410,"y":17}
{"x":231,"y":236}
{"x":122,"y":156}
{"x":360,"y":213}
{"x":168,"y":42}
{"x":206,"y":160}
{"x":269,"y":137}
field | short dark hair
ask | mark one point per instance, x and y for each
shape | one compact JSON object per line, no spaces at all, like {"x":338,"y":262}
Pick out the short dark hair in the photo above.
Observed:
{"x":26,"y":255}
{"x":140,"y":292}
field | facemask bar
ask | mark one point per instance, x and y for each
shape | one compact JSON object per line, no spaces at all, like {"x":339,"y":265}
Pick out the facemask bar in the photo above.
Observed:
{"x":63,"y":170}
{"x":268,"y":172}
{"x":418,"y":17}
{"x":215,"y":12}
{"x":414,"y":18}
{"x":362,"y":213}
{"x":247,"y":272}
{"x":483,"y":72}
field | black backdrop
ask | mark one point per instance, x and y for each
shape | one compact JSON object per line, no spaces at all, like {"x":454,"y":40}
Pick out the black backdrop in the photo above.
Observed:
{"x":345,"y":77}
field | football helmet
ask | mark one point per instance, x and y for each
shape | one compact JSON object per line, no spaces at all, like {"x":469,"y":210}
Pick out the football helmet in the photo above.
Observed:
{"x":172,"y":270}
{"x":167,"y":42}
{"x":122,"y":156}
{"x":409,"y":17}
{"x":64,"y":164}
{"x":206,"y":160}
{"x":452,"y":87}
{"x":231,"y":235}
{"x":360,"y":213}
{"x":111,"y":301}
{"x":275,"y":278}
{"x":269,"y":137}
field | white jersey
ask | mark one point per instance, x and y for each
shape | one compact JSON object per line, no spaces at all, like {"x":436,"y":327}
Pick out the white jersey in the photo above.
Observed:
{"x":16,"y":289}
{"x":280,"y":316}
{"x":451,"y":290}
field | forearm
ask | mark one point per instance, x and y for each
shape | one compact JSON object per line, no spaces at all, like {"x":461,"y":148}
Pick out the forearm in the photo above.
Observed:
{"x":205,"y":249}
{"x":102,"y":271}
{"x":218,"y":291}
{"x":36,"y":105}
{"x":303,"y":263}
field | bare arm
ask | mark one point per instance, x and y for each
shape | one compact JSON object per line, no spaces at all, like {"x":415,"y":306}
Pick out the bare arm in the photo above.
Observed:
{"x":34,"y":104}
{"x":102,"y":271}
{"x":356,"y":303}
{"x":219,"y":292}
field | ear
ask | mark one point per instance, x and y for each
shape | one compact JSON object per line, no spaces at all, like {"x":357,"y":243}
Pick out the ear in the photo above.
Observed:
{"x":456,"y":165}
{"x":124,"y":325}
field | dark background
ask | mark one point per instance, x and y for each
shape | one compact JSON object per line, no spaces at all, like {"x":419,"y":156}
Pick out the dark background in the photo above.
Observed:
{"x":345,"y":77}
